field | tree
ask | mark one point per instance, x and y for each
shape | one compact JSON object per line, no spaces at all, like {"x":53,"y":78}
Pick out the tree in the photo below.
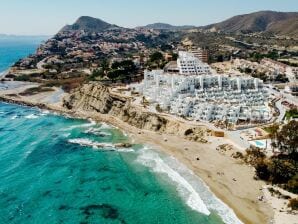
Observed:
{"x":105,"y":65}
{"x":286,"y":140}
{"x":158,"y":108}
{"x":157,"y":58}
{"x":174,"y":56}
{"x":113,"y":75}
{"x":262,"y":170}
{"x":248,"y":70}
{"x":273,"y":130}
{"x":281,"y":170}
{"x":220,"y":58}
{"x":123,"y":70}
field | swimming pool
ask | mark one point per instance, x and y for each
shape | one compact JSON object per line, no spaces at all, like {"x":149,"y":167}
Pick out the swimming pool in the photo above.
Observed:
{"x":259,"y":143}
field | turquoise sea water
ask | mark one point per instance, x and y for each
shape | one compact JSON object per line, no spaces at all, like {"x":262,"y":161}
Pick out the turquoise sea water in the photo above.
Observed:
{"x":13,"y":49}
{"x":55,"y":169}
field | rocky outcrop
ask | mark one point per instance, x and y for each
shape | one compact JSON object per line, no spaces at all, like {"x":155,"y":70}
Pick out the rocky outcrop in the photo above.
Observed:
{"x":98,"y":98}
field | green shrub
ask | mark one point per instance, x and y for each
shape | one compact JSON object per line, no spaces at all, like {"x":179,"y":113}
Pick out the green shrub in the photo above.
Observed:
{"x":24,"y":78}
{"x":262,"y":170}
{"x":293,"y":204}
{"x":281,"y":170}
{"x":292,"y":184}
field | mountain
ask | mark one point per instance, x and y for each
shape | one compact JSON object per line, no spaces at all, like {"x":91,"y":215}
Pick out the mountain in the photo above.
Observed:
{"x":165,"y":26}
{"x":89,"y":24}
{"x":282,"y":23}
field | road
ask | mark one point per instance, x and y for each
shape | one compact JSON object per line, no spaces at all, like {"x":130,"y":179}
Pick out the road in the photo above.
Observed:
{"x":285,"y":96}
{"x":281,"y":109}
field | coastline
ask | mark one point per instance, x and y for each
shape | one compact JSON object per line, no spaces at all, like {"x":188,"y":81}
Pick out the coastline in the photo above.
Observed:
{"x":230,"y":180}
{"x":4,"y":73}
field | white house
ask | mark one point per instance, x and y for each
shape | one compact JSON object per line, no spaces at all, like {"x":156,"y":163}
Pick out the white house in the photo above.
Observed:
{"x":205,"y":96}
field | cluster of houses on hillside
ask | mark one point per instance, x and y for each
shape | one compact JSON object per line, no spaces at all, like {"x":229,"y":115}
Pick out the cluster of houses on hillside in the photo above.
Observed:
{"x":84,"y":49}
{"x":197,"y":92}
{"x":269,"y":67}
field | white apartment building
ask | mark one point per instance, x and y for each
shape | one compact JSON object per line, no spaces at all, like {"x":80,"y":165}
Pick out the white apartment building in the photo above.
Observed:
{"x":188,"y":64}
{"x":207,"y":97}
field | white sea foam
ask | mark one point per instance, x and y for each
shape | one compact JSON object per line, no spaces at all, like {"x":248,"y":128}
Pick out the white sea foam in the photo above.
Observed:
{"x":66,"y":135}
{"x":193,"y":199}
{"x":31,"y":116}
{"x":86,"y":125}
{"x":105,"y":126}
{"x":97,"y":131}
{"x":44,"y":112}
{"x":99,"y":145}
{"x":196,"y":193}
{"x":14,"y":117}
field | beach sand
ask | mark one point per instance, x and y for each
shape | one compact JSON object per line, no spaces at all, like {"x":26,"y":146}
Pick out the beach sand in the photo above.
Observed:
{"x":229,"y":179}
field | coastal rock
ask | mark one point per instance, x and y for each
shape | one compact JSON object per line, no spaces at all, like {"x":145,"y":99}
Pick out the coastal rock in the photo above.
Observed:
{"x":123,"y":145}
{"x":94,"y":97}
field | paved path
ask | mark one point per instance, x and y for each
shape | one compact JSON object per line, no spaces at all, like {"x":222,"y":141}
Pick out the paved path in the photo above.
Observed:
{"x":236,"y":138}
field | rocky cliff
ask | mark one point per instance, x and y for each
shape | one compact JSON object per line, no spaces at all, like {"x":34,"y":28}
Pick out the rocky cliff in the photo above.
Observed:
{"x":98,"y":98}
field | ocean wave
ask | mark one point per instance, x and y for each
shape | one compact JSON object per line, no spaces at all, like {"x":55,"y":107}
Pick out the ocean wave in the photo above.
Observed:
{"x":44,"y":112}
{"x":32,"y":116}
{"x":197,"y":194}
{"x":14,"y":117}
{"x":66,"y":135}
{"x":97,"y":131}
{"x":105,"y":126}
{"x":153,"y":160}
{"x":86,"y":125}
{"x":98,"y":145}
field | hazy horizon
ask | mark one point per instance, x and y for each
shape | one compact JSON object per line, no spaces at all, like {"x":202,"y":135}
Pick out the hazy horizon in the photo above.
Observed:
{"x":47,"y":18}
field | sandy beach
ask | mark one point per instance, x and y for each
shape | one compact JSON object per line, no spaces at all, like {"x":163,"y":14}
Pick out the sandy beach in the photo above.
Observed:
{"x":228,"y":178}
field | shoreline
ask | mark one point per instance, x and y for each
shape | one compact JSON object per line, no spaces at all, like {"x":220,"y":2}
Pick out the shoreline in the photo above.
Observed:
{"x":4,"y":73}
{"x":244,"y":204}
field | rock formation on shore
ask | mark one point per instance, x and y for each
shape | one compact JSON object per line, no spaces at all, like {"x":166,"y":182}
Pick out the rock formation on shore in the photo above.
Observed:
{"x":98,"y":98}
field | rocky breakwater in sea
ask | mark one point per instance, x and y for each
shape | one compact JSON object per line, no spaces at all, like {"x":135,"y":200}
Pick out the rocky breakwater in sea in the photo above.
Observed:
{"x":99,"y":98}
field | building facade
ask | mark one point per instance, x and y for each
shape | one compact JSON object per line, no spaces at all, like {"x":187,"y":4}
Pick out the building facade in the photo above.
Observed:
{"x":206,"y":96}
{"x":201,"y":54}
{"x":188,"y":64}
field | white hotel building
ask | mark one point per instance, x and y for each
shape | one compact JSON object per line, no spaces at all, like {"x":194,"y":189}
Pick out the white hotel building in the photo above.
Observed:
{"x":199,"y":94}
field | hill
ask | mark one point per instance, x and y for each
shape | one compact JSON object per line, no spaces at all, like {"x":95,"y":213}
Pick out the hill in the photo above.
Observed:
{"x":165,"y":26}
{"x":282,"y":23}
{"x":89,"y":24}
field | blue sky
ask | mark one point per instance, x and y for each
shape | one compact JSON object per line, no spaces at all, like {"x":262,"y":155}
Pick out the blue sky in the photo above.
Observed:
{"x":46,"y":17}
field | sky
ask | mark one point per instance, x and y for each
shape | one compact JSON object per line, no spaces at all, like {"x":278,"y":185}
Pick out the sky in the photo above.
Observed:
{"x":47,"y":17}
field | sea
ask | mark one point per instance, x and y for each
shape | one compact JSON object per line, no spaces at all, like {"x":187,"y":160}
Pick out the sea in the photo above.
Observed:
{"x":58,"y":169}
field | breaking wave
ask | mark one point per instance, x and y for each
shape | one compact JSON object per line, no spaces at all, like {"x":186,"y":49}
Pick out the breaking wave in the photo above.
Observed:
{"x":105,"y":126}
{"x":85,"y":125}
{"x":44,"y":112}
{"x":32,"y":116}
{"x":152,"y":159}
{"x":97,"y":131}
{"x":14,"y":117}
{"x":190,"y":187}
{"x":99,"y":145}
